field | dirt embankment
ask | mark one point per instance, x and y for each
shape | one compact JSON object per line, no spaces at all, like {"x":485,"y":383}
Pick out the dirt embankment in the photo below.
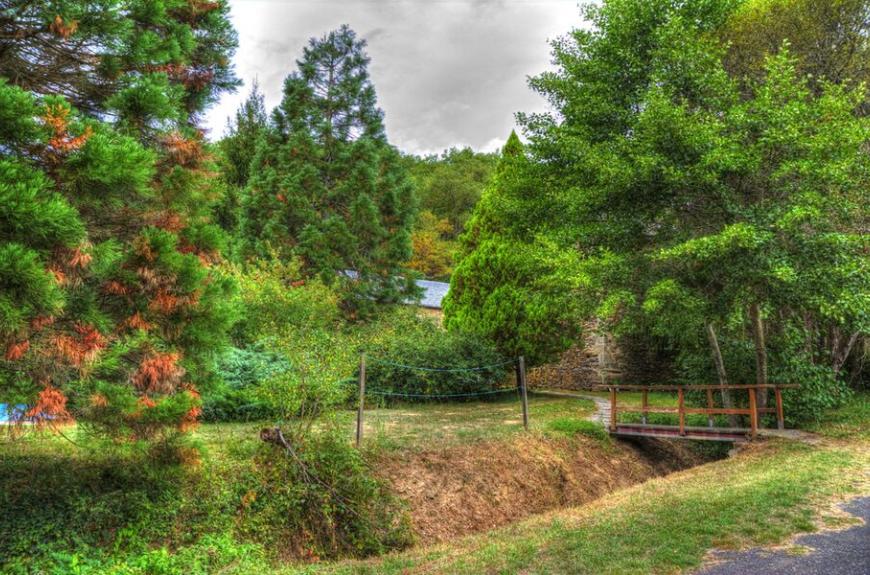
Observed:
{"x":459,"y":490}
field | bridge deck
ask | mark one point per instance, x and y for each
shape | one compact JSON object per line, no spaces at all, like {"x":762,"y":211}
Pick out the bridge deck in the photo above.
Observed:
{"x":673,"y":431}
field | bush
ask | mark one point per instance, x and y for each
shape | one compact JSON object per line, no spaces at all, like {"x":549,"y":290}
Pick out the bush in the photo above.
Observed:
{"x":428,"y":345}
{"x":323,"y":501}
{"x":236,"y":398}
{"x":91,"y":512}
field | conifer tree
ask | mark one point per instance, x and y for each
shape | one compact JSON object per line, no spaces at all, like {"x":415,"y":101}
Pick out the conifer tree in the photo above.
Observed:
{"x":165,"y":60}
{"x":327,"y":187}
{"x":237,"y":151}
{"x":110,"y":311}
{"x":506,"y":285}
{"x":243,"y":135}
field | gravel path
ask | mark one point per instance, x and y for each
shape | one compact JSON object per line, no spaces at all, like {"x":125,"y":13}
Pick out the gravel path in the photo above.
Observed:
{"x":844,"y":552}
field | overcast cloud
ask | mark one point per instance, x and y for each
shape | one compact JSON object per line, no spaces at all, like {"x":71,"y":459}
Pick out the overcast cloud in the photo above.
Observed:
{"x":447,"y":72}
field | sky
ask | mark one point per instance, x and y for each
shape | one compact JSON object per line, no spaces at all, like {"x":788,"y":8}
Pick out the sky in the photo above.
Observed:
{"x":447,"y":72}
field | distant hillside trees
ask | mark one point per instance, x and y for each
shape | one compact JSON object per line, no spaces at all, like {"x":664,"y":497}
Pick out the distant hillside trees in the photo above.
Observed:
{"x":326,"y":186}
{"x":449,"y":186}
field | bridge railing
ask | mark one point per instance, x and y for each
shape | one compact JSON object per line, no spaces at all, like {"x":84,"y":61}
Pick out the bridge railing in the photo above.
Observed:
{"x":753,"y":410}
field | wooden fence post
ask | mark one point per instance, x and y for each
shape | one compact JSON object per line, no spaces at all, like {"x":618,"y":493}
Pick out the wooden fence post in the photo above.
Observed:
{"x":682,"y":409}
{"x":753,"y":413}
{"x":362,"y":399}
{"x":780,"y":423}
{"x":521,"y":382}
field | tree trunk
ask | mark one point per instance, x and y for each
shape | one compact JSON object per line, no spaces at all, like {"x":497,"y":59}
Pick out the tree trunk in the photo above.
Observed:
{"x":720,"y":371}
{"x":760,"y":352}
{"x":841,"y":354}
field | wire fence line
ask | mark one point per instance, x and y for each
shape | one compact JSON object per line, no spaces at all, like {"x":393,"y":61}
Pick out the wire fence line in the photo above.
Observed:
{"x":441,"y":369}
{"x":520,"y":387}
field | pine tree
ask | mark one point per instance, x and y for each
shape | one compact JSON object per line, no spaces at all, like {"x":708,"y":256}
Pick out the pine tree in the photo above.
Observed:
{"x":164,"y":60}
{"x":121,"y":311}
{"x":328,"y":187}
{"x":237,"y":150}
{"x":243,"y":136}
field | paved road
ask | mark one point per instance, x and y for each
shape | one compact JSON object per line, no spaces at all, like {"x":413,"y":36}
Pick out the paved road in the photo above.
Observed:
{"x":834,"y":553}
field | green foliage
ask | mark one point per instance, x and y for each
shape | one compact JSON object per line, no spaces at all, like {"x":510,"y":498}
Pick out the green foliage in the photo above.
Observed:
{"x":241,"y":371}
{"x":238,"y":511}
{"x":149,"y":61}
{"x":573,"y":426}
{"x":236,"y":151}
{"x":275,"y":297}
{"x":508,"y":286}
{"x":427,"y":345}
{"x":693,"y":197}
{"x":326,"y":494}
{"x":450,"y":185}
{"x":327,"y":186}
{"x":850,"y":421}
{"x":828,"y":39}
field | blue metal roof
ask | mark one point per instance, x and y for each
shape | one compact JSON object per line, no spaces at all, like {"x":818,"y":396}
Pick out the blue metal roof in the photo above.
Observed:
{"x":433,"y":293}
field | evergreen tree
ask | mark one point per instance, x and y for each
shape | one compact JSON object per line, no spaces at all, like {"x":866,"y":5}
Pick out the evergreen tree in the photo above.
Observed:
{"x":506,"y":286}
{"x":327,"y":186}
{"x":243,"y":136}
{"x":237,"y":150}
{"x":123,"y":312}
{"x":159,"y":60}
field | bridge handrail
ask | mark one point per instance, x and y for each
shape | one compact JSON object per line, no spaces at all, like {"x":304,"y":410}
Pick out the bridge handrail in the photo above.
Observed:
{"x":753,"y":410}
{"x":692,"y":387}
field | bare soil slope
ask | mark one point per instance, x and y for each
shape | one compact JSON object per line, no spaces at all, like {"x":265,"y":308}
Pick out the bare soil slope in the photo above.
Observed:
{"x":465,"y":489}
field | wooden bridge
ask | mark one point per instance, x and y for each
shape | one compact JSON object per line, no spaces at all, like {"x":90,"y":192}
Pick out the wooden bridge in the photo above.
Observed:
{"x":681,"y":430}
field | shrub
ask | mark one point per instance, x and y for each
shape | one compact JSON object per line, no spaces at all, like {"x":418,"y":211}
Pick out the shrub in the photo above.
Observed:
{"x":428,"y":345}
{"x":323,"y":501}
{"x":242,"y":370}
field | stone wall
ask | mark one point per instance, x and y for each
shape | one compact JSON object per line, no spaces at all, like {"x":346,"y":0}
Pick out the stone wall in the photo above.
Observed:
{"x":597,"y":361}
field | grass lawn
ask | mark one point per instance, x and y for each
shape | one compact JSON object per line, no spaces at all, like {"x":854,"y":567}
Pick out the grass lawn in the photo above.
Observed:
{"x":769,"y":491}
{"x":661,"y":526}
{"x":427,"y":425}
{"x":635,"y":398}
{"x":851,"y":421}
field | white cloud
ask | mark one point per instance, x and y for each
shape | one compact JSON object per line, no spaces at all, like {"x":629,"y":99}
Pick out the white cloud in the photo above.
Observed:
{"x":447,"y":73}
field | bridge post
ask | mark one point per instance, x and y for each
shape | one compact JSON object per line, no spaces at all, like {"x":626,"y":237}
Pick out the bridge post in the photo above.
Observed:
{"x":613,"y":409}
{"x":682,"y":410}
{"x":753,"y":413}
{"x":780,"y":423}
{"x":645,"y":406}
{"x":709,"y":406}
